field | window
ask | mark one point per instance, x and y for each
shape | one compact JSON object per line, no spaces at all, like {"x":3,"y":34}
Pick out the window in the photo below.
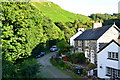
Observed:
{"x":108,"y":71}
{"x":113,"y":73}
{"x":118,"y":73}
{"x":79,"y":43}
{"x":86,"y":43}
{"x":79,"y":50}
{"x":116,"y":55}
{"x":109,"y":54}
{"x":113,"y":55}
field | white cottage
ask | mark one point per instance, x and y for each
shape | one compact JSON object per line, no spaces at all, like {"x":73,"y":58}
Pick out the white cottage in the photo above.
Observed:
{"x":108,"y":60}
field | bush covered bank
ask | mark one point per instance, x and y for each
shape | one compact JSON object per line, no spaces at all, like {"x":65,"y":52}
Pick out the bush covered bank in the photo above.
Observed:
{"x":26,"y":69}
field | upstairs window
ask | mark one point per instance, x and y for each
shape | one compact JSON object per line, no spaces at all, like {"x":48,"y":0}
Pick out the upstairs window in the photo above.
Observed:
{"x":86,"y":43}
{"x":79,"y":43}
{"x":113,"y":55}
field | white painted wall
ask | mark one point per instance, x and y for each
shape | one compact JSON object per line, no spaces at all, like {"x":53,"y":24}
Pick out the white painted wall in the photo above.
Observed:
{"x":112,"y":33}
{"x":104,"y":62}
{"x":73,"y":37}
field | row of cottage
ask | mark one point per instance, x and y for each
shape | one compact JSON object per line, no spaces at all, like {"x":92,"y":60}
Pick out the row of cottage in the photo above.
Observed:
{"x":101,"y":46}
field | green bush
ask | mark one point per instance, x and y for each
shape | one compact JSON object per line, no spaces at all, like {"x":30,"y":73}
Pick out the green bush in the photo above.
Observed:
{"x":61,"y":63}
{"x":53,"y":62}
{"x":76,"y":57}
{"x":9,"y":70}
{"x":84,"y":72}
{"x":67,"y":66}
{"x":29,"y":68}
{"x":91,"y":66}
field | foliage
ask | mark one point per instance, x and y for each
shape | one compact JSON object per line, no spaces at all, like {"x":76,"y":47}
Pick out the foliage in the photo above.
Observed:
{"x":107,"y":19}
{"x":67,"y":66}
{"x":64,"y":20}
{"x":92,"y":66}
{"x":27,"y":69}
{"x":103,"y":17}
{"x":63,"y":46}
{"x":76,"y":57}
{"x":61,"y":63}
{"x":29,"y":28}
{"x":9,"y":70}
{"x":25,"y":32}
{"x":54,"y":62}
{"x":84,"y":72}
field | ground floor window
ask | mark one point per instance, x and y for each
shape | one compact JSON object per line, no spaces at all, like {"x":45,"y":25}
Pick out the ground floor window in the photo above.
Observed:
{"x":113,"y":73}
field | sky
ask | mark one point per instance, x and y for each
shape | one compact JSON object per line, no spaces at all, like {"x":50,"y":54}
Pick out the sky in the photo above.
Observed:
{"x":87,"y":7}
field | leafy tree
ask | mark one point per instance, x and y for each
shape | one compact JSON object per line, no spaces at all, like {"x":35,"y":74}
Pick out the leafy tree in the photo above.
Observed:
{"x":63,"y":46}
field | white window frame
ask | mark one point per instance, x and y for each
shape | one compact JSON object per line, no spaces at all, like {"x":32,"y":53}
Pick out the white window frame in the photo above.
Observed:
{"x":79,"y":49}
{"x":113,"y":55}
{"x":86,"y":43}
{"x":110,"y":70}
{"x":79,"y":43}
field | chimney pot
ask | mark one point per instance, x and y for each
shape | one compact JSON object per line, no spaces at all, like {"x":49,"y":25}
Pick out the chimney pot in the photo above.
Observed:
{"x":97,"y":24}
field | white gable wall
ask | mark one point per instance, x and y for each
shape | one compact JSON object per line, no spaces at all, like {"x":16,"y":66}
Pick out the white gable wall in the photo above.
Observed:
{"x":73,"y":37}
{"x":104,"y":62}
{"x":110,"y":34}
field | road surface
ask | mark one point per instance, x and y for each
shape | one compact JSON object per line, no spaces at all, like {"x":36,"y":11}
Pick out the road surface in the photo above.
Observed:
{"x":48,"y":70}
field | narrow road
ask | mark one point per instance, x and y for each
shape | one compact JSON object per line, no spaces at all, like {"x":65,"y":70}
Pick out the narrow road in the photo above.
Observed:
{"x":48,"y":70}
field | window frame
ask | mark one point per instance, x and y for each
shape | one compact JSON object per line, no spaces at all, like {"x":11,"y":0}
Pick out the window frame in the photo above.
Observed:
{"x":113,"y":56}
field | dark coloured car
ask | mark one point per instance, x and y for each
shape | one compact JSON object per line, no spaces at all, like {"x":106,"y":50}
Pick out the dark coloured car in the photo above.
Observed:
{"x":40,"y":55}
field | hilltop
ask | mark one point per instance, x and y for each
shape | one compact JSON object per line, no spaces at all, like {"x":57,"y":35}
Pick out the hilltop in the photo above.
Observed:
{"x":56,"y":13}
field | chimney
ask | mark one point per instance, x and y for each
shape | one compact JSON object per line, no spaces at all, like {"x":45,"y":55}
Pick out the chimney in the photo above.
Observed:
{"x":119,"y":7}
{"x":97,"y":24}
{"x":81,"y":29}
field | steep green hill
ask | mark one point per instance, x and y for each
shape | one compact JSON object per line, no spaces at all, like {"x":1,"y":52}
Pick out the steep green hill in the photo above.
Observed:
{"x":35,"y":26}
{"x":31,"y":28}
{"x":56,"y":13}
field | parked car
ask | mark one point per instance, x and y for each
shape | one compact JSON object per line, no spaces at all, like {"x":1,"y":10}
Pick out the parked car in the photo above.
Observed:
{"x":40,"y":55}
{"x":53,"y":48}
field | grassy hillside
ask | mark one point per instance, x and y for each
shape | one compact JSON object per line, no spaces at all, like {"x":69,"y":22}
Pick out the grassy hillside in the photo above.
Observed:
{"x":56,"y":13}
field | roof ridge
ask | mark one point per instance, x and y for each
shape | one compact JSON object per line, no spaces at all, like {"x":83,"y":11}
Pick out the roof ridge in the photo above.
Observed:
{"x":93,"y":34}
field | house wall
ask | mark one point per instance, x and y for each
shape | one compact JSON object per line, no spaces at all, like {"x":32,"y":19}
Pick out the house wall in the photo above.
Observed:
{"x":73,"y":37}
{"x":112,"y":33}
{"x":88,"y":47}
{"x":104,"y":62}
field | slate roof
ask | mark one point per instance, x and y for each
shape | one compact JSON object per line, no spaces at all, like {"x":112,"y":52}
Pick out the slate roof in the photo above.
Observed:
{"x":93,"y":34}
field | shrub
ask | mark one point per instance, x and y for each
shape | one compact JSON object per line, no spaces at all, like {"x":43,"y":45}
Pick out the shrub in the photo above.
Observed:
{"x":77,"y":58}
{"x":84,"y":72}
{"x":91,"y":66}
{"x":9,"y":70}
{"x":53,"y":61}
{"x":67,"y":66}
{"x":61,"y":63}
{"x":29,"y":68}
